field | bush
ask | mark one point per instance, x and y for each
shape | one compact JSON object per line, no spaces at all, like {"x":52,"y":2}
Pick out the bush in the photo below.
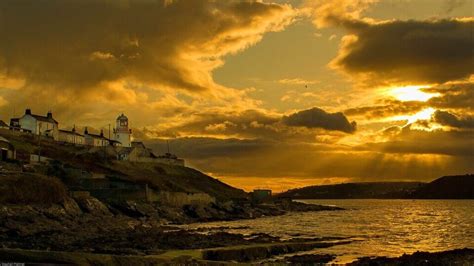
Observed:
{"x":32,"y":189}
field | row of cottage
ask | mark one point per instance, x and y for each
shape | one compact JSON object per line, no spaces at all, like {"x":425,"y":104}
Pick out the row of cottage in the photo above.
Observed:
{"x":121,"y":138}
{"x":48,"y":126}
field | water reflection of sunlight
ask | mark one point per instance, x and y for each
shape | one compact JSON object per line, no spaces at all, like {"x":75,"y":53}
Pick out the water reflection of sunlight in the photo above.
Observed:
{"x":383,"y":227}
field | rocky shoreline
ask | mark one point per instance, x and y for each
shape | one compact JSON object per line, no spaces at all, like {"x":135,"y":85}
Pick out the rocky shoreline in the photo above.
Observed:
{"x":67,"y":234}
{"x":89,"y":226}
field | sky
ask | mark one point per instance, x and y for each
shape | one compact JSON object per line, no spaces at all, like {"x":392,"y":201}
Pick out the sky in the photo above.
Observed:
{"x":260,"y":94}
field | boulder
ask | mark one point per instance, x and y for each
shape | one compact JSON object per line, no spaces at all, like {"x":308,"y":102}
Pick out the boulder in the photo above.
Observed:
{"x":92,"y":205}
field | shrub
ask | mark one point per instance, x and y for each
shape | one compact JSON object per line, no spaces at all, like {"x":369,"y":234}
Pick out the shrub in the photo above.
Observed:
{"x":32,"y":189}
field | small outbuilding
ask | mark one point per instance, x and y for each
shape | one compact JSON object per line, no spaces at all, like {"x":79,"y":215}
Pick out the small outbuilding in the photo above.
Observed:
{"x":7,"y":150}
{"x":261,"y":195}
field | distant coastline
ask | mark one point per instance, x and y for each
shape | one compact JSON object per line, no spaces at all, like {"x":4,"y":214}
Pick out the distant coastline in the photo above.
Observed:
{"x":447,"y":187}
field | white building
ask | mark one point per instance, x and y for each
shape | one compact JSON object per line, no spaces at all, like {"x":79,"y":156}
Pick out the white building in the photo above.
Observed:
{"x":95,"y":140}
{"x":37,"y":124}
{"x":122,"y":133}
{"x":71,"y":137}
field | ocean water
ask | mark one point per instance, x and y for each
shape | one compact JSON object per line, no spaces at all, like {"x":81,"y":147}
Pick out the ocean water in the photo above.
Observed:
{"x":378,"y":227}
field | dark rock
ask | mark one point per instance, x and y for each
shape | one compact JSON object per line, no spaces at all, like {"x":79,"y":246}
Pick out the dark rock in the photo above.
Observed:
{"x":92,"y":205}
{"x":452,"y":257}
{"x":310,"y":259}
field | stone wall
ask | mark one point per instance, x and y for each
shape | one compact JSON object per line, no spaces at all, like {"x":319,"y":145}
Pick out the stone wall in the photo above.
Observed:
{"x":179,"y":199}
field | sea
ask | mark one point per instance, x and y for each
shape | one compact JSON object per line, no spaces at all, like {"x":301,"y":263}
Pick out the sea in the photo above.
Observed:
{"x":377,"y":227}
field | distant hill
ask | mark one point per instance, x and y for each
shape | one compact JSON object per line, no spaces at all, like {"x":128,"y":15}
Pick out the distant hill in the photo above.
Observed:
{"x":447,"y":187}
{"x":367,"y":190}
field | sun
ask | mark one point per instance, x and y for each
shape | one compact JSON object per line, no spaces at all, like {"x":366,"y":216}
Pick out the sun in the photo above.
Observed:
{"x":411,"y":93}
{"x":424,"y":114}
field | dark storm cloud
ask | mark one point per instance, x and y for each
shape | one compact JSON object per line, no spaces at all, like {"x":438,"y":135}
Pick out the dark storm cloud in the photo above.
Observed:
{"x":451,"y":5}
{"x":269,"y":159}
{"x":80,"y":44}
{"x":199,"y":147}
{"x":407,"y":51}
{"x":245,"y":124}
{"x":318,"y":118}
{"x":255,"y":124}
{"x":89,"y":60}
{"x":388,"y":108}
{"x":448,"y":119}
{"x":453,"y":96}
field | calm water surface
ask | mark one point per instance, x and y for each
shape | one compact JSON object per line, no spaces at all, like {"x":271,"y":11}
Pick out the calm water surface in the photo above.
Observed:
{"x":380,"y":227}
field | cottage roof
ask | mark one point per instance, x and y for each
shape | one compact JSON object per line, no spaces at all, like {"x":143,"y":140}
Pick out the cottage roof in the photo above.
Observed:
{"x":96,"y":136}
{"x":122,"y":117}
{"x":39,"y":118}
{"x":70,"y":132}
{"x":3,"y":124}
{"x":138,"y":144}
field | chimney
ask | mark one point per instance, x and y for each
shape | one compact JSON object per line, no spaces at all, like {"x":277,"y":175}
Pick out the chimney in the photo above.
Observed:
{"x":85,"y":131}
{"x":74,"y":129}
{"x":28,"y":111}
{"x":101,"y":132}
{"x":49,"y":114}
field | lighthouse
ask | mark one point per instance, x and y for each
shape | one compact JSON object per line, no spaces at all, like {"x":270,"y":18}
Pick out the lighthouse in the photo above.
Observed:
{"x":121,"y":131}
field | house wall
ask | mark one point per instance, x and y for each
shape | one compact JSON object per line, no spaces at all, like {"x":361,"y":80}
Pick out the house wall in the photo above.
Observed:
{"x":93,"y":141}
{"x":28,"y":122}
{"x":71,"y":138}
{"x":54,"y":133}
{"x":89,"y":140}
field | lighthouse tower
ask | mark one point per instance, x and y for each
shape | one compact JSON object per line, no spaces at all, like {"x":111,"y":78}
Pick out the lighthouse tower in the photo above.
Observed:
{"x":121,"y":131}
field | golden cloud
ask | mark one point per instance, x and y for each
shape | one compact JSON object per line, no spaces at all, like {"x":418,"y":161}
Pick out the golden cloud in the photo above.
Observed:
{"x":120,"y":54}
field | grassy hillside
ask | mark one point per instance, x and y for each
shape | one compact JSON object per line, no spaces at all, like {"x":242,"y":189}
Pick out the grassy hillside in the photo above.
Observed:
{"x":29,"y":188}
{"x":158,"y":176}
{"x":175,"y":178}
